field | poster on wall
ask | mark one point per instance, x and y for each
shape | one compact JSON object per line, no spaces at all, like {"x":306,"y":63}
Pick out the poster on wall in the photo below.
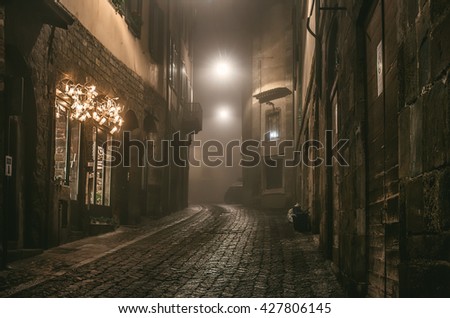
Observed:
{"x":380,"y":67}
{"x":8,"y":166}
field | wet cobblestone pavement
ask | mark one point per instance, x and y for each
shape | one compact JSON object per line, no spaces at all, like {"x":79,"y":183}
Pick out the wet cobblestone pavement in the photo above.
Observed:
{"x":208,"y":251}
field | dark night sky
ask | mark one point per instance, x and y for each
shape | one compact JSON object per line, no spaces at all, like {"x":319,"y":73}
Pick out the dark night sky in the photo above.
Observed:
{"x":220,"y":29}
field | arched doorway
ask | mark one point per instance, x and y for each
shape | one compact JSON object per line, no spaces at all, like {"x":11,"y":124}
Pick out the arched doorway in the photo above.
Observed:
{"x":25,"y":225}
{"x":130,"y":176}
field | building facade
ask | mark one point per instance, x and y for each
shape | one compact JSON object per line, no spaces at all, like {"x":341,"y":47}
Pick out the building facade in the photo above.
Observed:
{"x":376,"y":73}
{"x":78,"y":76}
{"x":268,"y":105}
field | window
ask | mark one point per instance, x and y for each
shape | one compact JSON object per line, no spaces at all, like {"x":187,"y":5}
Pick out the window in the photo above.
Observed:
{"x":74,"y":158}
{"x":171,"y":70}
{"x":61,"y":145}
{"x":174,"y":73}
{"x":67,"y":147}
{"x":273,"y":124}
{"x":185,"y":85}
{"x":156,"y":34}
{"x":132,"y":10}
{"x":98,"y":174}
{"x":133,"y":16}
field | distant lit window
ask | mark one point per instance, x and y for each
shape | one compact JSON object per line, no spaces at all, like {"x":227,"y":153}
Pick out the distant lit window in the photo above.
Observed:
{"x":273,"y":124}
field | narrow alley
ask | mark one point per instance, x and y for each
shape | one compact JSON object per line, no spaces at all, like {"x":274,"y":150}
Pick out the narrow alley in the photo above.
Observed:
{"x":207,"y":251}
{"x":160,"y":148}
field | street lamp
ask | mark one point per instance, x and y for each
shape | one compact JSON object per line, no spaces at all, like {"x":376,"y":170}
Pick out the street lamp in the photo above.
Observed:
{"x":224,"y":113}
{"x":222,"y":69}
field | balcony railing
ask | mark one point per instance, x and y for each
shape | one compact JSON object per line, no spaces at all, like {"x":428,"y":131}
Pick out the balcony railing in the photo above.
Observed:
{"x":192,"y":118}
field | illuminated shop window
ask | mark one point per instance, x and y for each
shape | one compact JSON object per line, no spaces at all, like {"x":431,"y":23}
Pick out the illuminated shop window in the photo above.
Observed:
{"x":67,"y":148}
{"x":98,"y":174}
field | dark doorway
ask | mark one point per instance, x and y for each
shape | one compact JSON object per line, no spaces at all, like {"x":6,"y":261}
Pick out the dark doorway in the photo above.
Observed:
{"x":23,"y":224}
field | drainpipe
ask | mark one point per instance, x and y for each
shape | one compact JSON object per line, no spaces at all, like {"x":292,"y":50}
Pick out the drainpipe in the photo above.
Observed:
{"x":4,"y":237}
{"x":6,"y":196}
{"x":318,"y":53}
{"x":4,"y":263}
{"x":168,"y":121}
{"x":3,"y":115}
{"x":384,"y":212}
{"x":294,"y":93}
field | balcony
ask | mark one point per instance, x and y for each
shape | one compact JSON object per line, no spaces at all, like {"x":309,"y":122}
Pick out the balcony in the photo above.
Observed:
{"x":192,"y":118}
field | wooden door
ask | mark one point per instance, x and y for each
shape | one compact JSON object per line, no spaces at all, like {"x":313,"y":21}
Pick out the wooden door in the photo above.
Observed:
{"x":375,"y":155}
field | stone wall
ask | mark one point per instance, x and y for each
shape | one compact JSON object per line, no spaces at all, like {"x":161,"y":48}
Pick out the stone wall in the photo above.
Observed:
{"x":424,"y":121}
{"x":336,"y":195}
{"x":385,"y":219}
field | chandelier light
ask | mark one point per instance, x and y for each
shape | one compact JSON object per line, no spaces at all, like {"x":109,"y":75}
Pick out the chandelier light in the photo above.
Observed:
{"x":84,"y":102}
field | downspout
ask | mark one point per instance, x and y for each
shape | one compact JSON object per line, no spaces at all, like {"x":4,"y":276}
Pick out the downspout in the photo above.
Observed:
{"x":168,"y":124}
{"x":383,"y":31}
{"x":294,"y":66}
{"x":6,"y":187}
{"x":3,"y":208}
{"x":318,"y":53}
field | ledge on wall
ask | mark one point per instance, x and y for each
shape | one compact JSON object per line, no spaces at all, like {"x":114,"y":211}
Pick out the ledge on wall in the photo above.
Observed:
{"x":55,"y":14}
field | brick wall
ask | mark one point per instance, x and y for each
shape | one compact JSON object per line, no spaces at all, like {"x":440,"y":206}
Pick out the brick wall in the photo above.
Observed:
{"x":75,"y":54}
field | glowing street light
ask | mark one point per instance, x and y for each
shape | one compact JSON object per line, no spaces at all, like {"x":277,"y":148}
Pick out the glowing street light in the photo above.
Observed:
{"x":222,"y":69}
{"x":224,"y":113}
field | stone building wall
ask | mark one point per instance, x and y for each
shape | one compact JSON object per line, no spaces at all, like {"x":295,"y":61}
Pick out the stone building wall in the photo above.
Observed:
{"x":384,"y":220}
{"x":271,"y":62}
{"x":424,"y":161}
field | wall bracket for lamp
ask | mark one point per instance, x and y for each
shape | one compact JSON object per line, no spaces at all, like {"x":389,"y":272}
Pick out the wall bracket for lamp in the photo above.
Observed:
{"x":334,"y":8}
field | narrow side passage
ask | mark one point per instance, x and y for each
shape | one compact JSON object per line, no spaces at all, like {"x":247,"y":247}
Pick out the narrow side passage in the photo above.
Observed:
{"x":222,"y":251}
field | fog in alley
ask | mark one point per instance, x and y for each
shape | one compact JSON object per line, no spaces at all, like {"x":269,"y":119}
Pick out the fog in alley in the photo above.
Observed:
{"x":219,"y":74}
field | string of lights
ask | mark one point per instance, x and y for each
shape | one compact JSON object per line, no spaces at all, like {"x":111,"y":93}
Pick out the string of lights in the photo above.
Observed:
{"x":84,"y":102}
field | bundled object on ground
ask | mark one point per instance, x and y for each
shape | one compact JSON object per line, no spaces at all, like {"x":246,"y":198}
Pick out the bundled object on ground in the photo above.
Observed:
{"x":300,"y":219}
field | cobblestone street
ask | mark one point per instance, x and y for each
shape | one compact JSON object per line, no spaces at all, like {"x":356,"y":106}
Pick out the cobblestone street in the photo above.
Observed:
{"x":207,"y":251}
